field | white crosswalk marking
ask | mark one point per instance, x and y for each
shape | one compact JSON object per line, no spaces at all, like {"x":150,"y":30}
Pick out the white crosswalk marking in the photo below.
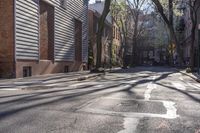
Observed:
{"x":150,"y":87}
{"x":171,"y":110}
{"x":130,"y":125}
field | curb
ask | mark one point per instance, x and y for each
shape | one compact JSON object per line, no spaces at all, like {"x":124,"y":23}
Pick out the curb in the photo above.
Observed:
{"x":41,"y":86}
{"x":88,"y":77}
{"x":184,"y":73}
{"x":81,"y":78}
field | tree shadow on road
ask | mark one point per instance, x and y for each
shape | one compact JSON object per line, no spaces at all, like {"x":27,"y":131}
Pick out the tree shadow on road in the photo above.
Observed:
{"x":144,"y":69}
{"x":24,"y":102}
{"x":62,"y":95}
{"x":182,"y":92}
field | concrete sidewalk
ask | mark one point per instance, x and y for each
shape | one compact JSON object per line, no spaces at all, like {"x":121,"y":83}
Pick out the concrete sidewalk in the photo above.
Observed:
{"x":194,"y":76}
{"x":45,"y":81}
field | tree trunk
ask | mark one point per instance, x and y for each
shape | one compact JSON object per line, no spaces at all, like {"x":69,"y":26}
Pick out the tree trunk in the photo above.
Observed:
{"x":100,"y":32}
{"x":134,"y":45}
{"x":125,"y":44}
{"x":170,"y":26}
{"x":192,"y":52}
{"x":123,"y":30}
{"x":193,"y":14}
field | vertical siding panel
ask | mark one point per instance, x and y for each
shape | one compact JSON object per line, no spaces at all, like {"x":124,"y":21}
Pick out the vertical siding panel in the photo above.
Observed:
{"x":27,"y":30}
{"x":64,"y":29}
{"x":27,"y":21}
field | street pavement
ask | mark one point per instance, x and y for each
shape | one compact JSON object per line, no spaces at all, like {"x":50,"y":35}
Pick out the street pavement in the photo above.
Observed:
{"x":138,"y":100}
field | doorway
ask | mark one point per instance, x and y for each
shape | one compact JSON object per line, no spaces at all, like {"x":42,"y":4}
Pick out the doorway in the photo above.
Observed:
{"x":78,"y":40}
{"x":46,"y":31}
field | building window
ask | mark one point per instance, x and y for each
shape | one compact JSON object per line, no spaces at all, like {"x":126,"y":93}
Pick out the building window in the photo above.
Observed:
{"x":66,"y":69}
{"x":27,"y":71}
{"x":84,"y":68}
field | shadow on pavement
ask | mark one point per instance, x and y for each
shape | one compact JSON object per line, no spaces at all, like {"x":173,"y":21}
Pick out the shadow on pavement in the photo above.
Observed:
{"x":25,"y":100}
{"x":182,"y":91}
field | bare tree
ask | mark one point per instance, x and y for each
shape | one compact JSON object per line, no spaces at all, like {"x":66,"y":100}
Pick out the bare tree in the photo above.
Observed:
{"x":106,"y":10}
{"x":194,"y":7}
{"x":135,"y":8}
{"x":170,"y":25}
{"x":120,"y":17}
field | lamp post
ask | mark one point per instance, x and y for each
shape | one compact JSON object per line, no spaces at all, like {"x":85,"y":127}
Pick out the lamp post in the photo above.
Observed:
{"x":199,"y":48}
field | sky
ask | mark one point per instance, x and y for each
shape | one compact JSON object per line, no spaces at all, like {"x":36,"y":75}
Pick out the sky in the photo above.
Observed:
{"x":91,"y":1}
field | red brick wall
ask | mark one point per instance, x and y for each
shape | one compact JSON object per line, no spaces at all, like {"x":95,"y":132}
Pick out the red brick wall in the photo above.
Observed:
{"x":6,"y":38}
{"x":46,"y":67}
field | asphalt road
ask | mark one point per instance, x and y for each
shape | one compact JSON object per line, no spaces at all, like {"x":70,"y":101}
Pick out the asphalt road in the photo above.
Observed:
{"x":139,"y":100}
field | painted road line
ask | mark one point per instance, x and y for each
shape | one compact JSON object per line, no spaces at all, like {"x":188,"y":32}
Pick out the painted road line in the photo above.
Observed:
{"x":171,"y":109}
{"x":168,"y":115}
{"x":169,"y":105}
{"x":130,"y":125}
{"x":147,"y":93}
{"x":150,"y":87}
{"x":179,"y":86}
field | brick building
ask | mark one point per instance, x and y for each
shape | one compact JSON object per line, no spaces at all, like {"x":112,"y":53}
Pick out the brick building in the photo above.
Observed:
{"x":42,"y":36}
{"x":93,"y":17}
{"x":110,"y":36}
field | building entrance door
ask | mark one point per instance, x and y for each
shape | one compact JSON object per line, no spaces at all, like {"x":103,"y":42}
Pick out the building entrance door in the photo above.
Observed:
{"x":46,"y":31}
{"x":78,"y":40}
